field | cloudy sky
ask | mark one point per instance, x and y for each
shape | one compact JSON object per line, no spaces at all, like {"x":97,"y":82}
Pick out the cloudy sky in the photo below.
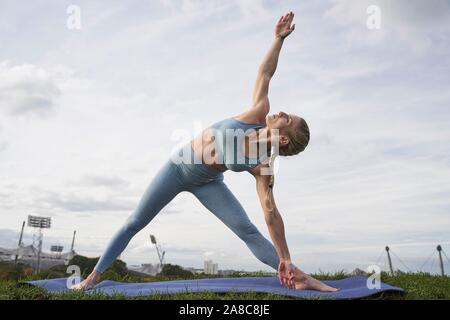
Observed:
{"x":88,"y":115}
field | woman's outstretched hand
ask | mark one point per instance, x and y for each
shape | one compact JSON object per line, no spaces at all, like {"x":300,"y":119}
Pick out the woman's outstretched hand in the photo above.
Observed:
{"x":286,"y":273}
{"x":284,"y":28}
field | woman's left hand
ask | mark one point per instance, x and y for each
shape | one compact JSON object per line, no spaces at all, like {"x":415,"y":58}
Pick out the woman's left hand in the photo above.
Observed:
{"x":286,"y":273}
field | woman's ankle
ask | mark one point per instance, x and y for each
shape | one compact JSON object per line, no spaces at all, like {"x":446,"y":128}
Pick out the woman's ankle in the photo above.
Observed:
{"x":300,"y":274}
{"x":95,"y":275}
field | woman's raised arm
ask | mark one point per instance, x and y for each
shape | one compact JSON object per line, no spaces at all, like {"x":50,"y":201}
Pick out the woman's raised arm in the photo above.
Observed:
{"x":267,"y":68}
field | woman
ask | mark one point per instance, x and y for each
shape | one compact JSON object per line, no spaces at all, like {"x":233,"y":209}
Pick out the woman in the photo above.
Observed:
{"x":209,"y":157}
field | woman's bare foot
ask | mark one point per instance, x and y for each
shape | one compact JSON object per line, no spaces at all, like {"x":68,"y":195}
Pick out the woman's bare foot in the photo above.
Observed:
{"x":306,"y":282}
{"x":88,"y":283}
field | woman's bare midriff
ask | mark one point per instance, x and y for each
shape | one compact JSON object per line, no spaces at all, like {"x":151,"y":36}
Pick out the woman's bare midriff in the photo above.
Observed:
{"x":207,"y":146}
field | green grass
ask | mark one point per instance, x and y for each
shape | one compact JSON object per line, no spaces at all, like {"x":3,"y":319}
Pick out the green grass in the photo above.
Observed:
{"x":417,"y":285}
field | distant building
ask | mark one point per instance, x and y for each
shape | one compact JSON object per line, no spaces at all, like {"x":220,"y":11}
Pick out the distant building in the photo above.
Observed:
{"x":28,"y":255}
{"x":147,"y":268}
{"x":227,"y":272}
{"x":210,"y":267}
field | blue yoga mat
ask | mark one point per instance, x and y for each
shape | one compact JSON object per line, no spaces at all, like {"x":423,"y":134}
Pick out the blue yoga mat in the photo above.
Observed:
{"x":350,"y":288}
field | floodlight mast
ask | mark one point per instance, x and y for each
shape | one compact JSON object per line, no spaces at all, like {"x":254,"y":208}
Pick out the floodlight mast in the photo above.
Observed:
{"x":39,"y":223}
{"x":20,"y":243}
{"x":441,"y":263}
{"x":73,"y":241}
{"x":158,"y":250}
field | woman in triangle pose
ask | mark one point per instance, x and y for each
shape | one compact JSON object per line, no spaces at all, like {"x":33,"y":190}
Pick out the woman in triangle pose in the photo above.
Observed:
{"x":247,"y":142}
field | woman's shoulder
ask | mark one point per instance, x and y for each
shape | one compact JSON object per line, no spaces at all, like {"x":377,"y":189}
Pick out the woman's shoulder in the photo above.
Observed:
{"x":264,"y":174}
{"x":251,"y":118}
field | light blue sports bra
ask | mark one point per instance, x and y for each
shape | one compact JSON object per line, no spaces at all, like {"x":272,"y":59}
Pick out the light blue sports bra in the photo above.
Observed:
{"x":230,"y":154}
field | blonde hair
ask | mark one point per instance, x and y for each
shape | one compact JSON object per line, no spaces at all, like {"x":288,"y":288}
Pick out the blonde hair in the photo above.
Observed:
{"x":298,"y":140}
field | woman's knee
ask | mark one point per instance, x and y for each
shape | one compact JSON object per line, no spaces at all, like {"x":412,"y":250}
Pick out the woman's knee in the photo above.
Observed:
{"x":247,"y":230}
{"x":133,"y":225}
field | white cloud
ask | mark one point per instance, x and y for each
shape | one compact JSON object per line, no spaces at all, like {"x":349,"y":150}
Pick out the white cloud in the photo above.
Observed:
{"x":191,"y":6}
{"x":26,"y":89}
{"x":414,"y":23}
{"x":252,"y":8}
{"x":3,"y":143}
{"x":103,"y":181}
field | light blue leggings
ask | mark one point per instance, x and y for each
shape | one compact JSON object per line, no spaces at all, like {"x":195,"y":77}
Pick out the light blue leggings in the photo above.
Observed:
{"x":208,"y":186}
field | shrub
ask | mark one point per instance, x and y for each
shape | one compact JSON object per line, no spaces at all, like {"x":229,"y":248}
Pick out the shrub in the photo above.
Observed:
{"x":173,"y":270}
{"x":10,"y":271}
{"x":86,"y":265}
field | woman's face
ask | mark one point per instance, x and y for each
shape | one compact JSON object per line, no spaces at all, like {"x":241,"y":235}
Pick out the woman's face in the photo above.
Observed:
{"x":283,"y":121}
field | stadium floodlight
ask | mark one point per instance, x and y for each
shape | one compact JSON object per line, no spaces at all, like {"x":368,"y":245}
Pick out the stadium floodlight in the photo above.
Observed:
{"x":56,"y":248}
{"x":39,"y":222}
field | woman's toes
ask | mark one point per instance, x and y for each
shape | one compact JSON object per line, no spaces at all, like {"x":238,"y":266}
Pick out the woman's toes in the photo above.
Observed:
{"x":329,"y":289}
{"x":75,"y":287}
